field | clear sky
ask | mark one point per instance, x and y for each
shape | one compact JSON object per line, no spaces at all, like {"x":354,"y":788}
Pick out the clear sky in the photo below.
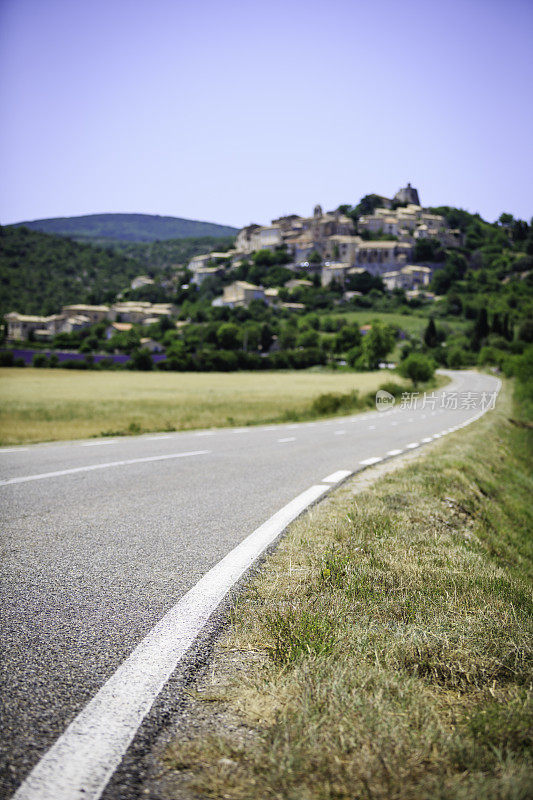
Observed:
{"x":233,"y":111}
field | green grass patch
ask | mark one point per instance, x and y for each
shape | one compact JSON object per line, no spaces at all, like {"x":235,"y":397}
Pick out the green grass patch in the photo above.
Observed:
{"x":396,"y":633}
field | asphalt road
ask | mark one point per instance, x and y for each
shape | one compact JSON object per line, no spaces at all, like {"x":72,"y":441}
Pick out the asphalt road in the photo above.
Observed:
{"x":97,"y":552}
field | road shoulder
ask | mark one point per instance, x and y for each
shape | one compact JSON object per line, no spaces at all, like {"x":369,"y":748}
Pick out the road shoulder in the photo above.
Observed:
{"x":390,"y":623}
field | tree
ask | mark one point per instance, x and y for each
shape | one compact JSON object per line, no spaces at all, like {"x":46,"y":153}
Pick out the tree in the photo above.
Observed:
{"x":349,"y":336}
{"x":496,"y":326}
{"x":307,"y":338}
{"x":525,"y":331}
{"x":287,"y":338}
{"x":481,"y":328}
{"x":367,"y":205}
{"x":251,"y":336}
{"x":455,"y":358}
{"x":363,"y":282}
{"x":141,"y":359}
{"x":267,"y":337}
{"x":507,"y":328}
{"x":431,"y":338}
{"x":428,"y":250}
{"x":506,"y":220}
{"x":228,"y":336}
{"x":377,"y":344}
{"x":418,"y":368}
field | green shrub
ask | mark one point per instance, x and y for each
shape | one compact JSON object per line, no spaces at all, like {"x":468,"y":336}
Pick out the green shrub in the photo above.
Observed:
{"x":418,"y":368}
{"x":392,"y":388}
{"x":7,"y":359}
{"x":332,"y":402}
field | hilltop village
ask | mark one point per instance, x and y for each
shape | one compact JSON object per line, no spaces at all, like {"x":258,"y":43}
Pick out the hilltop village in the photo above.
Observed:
{"x":328,"y":247}
{"x":356,"y":286}
{"x":334,"y":247}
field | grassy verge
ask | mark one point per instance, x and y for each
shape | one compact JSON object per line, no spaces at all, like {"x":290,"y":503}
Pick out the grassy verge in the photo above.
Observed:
{"x":391,"y":640}
{"x":45,"y":405}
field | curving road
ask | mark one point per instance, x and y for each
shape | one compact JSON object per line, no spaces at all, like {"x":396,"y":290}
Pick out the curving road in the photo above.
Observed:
{"x":102,"y":538}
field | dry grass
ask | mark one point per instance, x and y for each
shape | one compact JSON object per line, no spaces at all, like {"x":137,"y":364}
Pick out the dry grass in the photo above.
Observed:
{"x":396,"y":632}
{"x":45,"y":405}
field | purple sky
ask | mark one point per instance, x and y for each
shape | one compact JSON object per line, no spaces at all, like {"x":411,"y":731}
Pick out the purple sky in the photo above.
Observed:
{"x":234,"y":112}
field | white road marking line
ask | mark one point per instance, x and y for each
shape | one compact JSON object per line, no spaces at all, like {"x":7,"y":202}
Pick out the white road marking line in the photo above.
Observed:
{"x":82,"y":760}
{"x":412,"y":445}
{"x":394,"y":423}
{"x":427,"y":439}
{"x":241,"y":430}
{"x":98,"y":444}
{"x":288,"y":439}
{"x":436,"y":435}
{"x":156,"y":438}
{"x":394,"y":452}
{"x":335,"y":477}
{"x":368,"y":461}
{"x":205,"y":433}
{"x":371,"y":427}
{"x":91,"y":467}
{"x":291,"y":427}
{"x":270,"y":428}
{"x":339,"y":433}
{"x":13,"y":450}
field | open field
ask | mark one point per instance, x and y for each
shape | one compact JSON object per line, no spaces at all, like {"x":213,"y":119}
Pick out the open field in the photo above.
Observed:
{"x":410,"y":323}
{"x":45,"y":405}
{"x":384,"y":651}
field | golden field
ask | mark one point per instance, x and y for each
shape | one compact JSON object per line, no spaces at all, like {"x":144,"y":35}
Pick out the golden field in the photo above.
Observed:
{"x":44,"y":405}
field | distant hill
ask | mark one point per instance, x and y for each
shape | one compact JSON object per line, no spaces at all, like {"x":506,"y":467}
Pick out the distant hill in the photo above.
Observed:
{"x":96,"y":228}
{"x":40,"y":272}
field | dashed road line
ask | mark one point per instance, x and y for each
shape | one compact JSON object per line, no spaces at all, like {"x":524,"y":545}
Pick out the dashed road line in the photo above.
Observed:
{"x":335,"y":477}
{"x":287,"y":439}
{"x":13,"y":450}
{"x":91,"y":467}
{"x":368,"y":461}
{"x":394,"y":452}
{"x":98,"y":444}
{"x":339,"y":433}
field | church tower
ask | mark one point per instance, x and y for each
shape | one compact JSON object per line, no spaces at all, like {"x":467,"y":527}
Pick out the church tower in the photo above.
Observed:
{"x":407,"y":195}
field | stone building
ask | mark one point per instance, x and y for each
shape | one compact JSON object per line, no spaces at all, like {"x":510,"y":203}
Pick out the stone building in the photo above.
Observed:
{"x":382,"y":256}
{"x":407,"y":195}
{"x":239,"y":293}
{"x":410,"y":277}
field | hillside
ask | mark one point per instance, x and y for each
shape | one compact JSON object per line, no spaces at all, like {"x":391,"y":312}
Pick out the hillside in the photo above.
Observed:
{"x":126,"y":227}
{"x":39,"y":273}
{"x":161,"y":255}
